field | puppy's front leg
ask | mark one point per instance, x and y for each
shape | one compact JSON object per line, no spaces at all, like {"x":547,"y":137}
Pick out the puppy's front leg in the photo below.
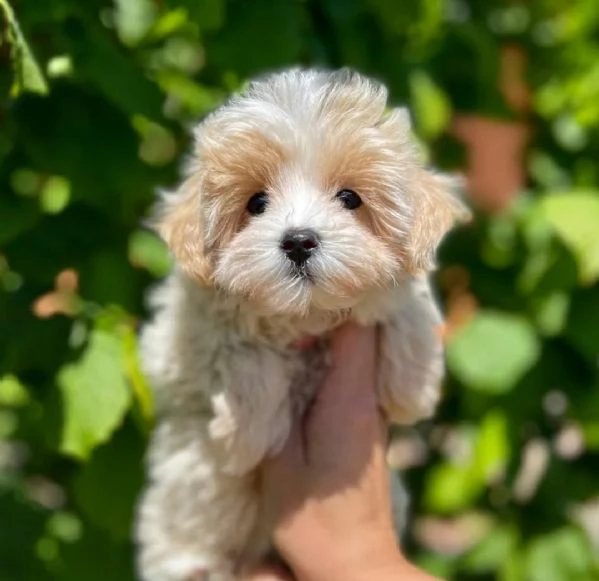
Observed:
{"x":199,"y":519}
{"x":412,"y":362}
{"x":193,"y":520}
{"x":252,"y":415}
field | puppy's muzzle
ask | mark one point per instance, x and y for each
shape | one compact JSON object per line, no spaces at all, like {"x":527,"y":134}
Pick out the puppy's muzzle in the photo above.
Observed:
{"x":299,"y":245}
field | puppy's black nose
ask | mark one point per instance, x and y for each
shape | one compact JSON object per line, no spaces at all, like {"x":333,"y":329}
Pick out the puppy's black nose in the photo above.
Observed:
{"x":298,"y":245}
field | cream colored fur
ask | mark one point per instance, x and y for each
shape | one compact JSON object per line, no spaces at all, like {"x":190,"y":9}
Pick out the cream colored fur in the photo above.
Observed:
{"x":220,"y":350}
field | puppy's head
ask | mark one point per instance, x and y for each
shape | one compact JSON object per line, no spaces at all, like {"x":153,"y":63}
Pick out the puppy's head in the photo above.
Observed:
{"x":303,"y":192}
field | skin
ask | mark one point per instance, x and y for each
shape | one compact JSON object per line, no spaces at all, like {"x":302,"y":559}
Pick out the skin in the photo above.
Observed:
{"x":328,"y":490}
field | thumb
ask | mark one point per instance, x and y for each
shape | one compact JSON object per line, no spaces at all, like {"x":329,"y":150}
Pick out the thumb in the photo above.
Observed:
{"x":269,"y":573}
{"x":290,"y":456}
{"x":279,"y":474}
{"x":353,"y":368}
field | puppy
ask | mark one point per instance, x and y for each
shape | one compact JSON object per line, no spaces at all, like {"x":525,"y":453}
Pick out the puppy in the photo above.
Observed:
{"x":304,"y":205}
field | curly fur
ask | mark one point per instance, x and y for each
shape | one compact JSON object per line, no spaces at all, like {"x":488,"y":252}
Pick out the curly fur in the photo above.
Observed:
{"x":220,"y":350}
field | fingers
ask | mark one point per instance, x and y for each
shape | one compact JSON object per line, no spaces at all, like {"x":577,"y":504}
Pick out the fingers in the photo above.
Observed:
{"x":352,"y":339}
{"x":279,"y":473}
{"x":353,"y":353}
{"x":290,"y":455}
{"x":348,"y":395}
{"x":269,"y":573}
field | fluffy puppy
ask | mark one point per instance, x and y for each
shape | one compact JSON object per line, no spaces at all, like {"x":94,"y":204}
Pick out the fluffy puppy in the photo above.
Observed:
{"x":305,"y":204}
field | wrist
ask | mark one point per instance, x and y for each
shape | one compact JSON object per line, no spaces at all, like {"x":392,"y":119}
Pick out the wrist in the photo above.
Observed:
{"x":367,"y":556}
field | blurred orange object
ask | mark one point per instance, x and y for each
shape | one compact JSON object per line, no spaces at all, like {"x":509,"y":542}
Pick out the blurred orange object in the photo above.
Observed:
{"x":496,"y":149}
{"x":60,"y":301}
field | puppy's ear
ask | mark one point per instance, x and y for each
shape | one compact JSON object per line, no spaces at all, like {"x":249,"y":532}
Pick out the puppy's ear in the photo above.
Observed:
{"x":437,"y":209}
{"x":435,"y":198}
{"x":178,"y":221}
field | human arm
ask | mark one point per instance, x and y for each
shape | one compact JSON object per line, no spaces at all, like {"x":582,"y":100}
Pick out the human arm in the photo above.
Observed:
{"x":328,"y":490}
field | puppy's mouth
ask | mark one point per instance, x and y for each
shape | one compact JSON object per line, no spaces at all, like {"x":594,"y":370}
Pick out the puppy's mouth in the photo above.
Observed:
{"x":302,"y":271}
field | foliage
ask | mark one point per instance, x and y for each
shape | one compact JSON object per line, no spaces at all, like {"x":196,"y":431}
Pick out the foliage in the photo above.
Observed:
{"x":96,"y":99}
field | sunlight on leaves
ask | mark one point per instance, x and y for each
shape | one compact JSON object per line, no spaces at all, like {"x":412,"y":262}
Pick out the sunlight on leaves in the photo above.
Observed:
{"x":26,"y":182}
{"x":551,"y":313}
{"x":493,"y":351}
{"x":28,"y":76}
{"x":455,"y":484}
{"x":59,"y":66}
{"x":564,"y":554}
{"x":56,"y":194}
{"x":8,"y":423}
{"x":147,"y":251}
{"x":12,"y":392}
{"x":65,"y":526}
{"x":95,"y":395}
{"x":141,"y":388}
{"x":168,"y":23}
{"x":575,"y":219}
{"x":133,"y":19}
{"x":451,"y":487}
{"x":431,"y":107}
{"x":491,"y":450}
{"x":492,"y":551}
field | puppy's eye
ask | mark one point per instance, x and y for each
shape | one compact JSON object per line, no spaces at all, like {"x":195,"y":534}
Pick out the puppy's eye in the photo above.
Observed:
{"x":349,"y":199}
{"x":257,"y":203}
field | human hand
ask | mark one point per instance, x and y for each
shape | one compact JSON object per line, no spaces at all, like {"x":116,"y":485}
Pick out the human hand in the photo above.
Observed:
{"x":328,"y":490}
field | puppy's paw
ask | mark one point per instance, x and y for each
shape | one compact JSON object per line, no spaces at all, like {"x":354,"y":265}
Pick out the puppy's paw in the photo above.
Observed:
{"x":183,"y":567}
{"x":238,"y":456}
{"x":199,"y":575}
{"x":243,"y":437}
{"x":217,"y":574}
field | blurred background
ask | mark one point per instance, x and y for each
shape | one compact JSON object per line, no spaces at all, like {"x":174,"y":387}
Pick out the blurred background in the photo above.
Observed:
{"x":96,"y":98}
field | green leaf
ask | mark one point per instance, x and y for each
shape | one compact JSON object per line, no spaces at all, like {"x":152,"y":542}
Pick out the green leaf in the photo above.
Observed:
{"x":432,"y":109}
{"x":60,"y":66}
{"x":491,"y":450}
{"x":209,"y":14}
{"x":9,"y":422}
{"x":167,"y":24}
{"x":133,"y":18}
{"x":560,"y":556}
{"x":590,"y":433}
{"x":512,"y":568}
{"x":107,"y":487}
{"x":55,"y":195}
{"x":452,"y":487}
{"x":551,"y":313}
{"x":141,"y":388}
{"x":575,"y":219}
{"x":28,"y":76}
{"x":492,"y":551}
{"x":64,"y":526}
{"x":493,"y":351}
{"x":441,"y":566}
{"x":12,"y":392}
{"x":95,"y":395}
{"x":147,"y":251}
{"x":195,"y":97}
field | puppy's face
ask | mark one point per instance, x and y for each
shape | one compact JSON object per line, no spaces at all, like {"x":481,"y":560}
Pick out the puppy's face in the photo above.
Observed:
{"x":304,"y":194}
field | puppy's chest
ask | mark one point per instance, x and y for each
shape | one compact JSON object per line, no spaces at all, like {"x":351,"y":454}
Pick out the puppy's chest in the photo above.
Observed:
{"x":309,"y":368}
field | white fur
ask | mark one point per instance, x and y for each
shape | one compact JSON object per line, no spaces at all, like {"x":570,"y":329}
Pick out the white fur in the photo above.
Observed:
{"x":219,"y":350}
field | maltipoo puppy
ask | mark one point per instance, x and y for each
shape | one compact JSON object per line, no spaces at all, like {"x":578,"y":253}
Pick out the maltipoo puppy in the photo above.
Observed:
{"x":305,"y":204}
